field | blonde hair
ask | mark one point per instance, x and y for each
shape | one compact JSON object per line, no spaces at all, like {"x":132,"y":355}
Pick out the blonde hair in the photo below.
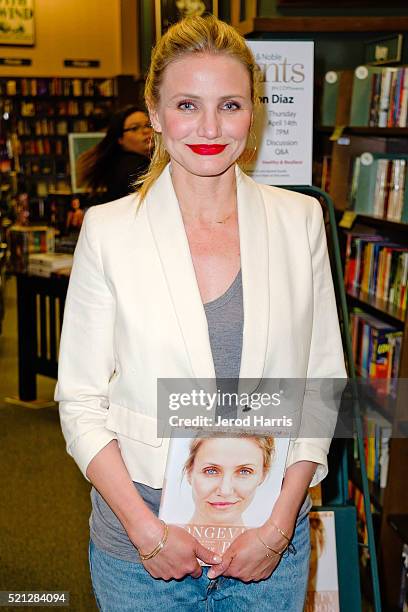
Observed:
{"x":191,"y":35}
{"x":265,"y":443}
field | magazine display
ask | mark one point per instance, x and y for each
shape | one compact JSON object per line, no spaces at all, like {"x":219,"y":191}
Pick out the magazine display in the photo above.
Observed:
{"x":216,"y":487}
{"x":323,"y":586}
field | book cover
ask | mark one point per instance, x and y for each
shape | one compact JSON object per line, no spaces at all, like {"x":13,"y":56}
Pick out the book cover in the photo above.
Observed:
{"x":402,"y":117}
{"x":362,"y":95}
{"x":323,"y":585}
{"x":217,"y":487}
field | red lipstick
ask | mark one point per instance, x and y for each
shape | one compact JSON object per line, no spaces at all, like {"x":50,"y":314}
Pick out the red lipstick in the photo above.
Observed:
{"x":203,"y":149}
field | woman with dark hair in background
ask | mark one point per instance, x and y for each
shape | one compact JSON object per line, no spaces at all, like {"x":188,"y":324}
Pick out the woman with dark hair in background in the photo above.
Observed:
{"x":121,"y":157}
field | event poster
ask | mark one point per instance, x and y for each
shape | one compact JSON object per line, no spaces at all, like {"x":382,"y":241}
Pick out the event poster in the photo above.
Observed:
{"x":279,"y":151}
{"x":323,"y":586}
{"x":216,"y":487}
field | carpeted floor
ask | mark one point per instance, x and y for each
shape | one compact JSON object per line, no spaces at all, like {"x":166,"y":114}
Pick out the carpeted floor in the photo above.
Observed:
{"x":44,"y":500}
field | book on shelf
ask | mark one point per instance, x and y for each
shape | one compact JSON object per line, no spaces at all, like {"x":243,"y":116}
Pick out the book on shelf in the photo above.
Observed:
{"x":323,"y":585}
{"x":356,"y":495}
{"x":403,"y":594}
{"x":379,"y":97}
{"x":326,"y":173}
{"x":376,"y":349}
{"x":336,"y":97}
{"x":379,"y":186}
{"x":377,"y":268}
{"x":377,"y":434}
{"x":218,"y":487}
{"x":57,"y":86}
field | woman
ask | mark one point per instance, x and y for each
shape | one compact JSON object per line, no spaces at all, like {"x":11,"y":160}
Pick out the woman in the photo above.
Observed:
{"x":160,"y":288}
{"x":75,"y":215}
{"x":224,"y":474}
{"x":115,"y":163}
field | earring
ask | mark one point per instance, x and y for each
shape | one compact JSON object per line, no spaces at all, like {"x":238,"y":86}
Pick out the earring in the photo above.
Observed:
{"x":250,"y":151}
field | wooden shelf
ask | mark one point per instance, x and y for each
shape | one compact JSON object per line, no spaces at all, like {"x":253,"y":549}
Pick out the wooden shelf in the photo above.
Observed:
{"x":51,"y":97}
{"x":377,"y":305}
{"x":366,"y":131}
{"x":399,"y":522}
{"x":338,"y":24}
{"x":385,"y":225}
{"x":383,"y":403}
{"x":35,"y":136}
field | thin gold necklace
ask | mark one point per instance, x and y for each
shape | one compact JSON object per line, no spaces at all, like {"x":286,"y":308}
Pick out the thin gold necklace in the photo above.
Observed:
{"x":226,"y":218}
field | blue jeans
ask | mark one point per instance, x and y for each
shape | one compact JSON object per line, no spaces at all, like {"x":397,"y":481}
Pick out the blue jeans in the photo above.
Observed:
{"x":122,"y":586}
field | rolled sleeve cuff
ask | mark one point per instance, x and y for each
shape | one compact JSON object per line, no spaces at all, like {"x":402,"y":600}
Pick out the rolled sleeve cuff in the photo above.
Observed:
{"x":305,"y":450}
{"x":84,"y":448}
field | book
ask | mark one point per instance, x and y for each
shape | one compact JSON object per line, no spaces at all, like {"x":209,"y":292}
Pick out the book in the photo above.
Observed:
{"x":323,"y":584}
{"x":378,"y":185}
{"x":336,"y":97}
{"x":403,"y":594}
{"x":217,"y":487}
{"x":362,"y":95}
{"x":378,"y":430}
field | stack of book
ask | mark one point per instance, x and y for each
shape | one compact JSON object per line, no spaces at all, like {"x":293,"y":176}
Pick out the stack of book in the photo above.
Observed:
{"x":26,"y":240}
{"x":379,"y":186}
{"x":379,"y":97}
{"x":44,"y":264}
{"x":377,"y":268}
{"x":376,"y":349}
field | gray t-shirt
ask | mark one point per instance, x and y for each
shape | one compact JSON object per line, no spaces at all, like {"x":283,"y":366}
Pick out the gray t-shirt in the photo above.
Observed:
{"x":225,"y":319}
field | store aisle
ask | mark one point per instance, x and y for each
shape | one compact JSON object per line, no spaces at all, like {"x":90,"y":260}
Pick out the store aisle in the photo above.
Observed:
{"x":45,"y":500}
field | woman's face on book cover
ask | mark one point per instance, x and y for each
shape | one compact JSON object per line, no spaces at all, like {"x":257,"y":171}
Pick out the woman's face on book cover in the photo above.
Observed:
{"x":224,"y":478}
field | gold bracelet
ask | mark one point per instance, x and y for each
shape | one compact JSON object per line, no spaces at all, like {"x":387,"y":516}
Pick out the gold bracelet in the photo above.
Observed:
{"x":275,"y":552}
{"x":283,"y":533}
{"x":159,"y":546}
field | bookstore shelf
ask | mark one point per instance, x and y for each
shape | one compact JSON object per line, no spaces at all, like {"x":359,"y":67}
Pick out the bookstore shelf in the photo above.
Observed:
{"x":327,"y":24}
{"x":41,"y":112}
{"x":401,"y":132}
{"x":379,"y":184}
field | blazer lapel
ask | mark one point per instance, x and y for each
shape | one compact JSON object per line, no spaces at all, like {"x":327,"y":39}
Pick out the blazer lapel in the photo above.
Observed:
{"x":172,"y":245}
{"x":255,"y":278}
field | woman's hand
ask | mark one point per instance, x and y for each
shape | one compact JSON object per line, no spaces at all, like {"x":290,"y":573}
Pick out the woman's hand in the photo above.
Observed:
{"x":178,"y":557}
{"x":246,"y":558}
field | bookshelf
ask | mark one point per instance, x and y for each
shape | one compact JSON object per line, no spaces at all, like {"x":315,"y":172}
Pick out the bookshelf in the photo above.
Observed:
{"x":346,"y":145}
{"x":41,"y":113}
{"x":339,"y":45}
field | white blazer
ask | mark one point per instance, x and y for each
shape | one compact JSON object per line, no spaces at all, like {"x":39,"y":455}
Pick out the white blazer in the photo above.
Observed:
{"x":134,"y":313}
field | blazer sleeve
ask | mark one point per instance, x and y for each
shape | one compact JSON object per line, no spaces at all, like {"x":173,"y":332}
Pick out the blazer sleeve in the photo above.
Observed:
{"x":326,"y":373}
{"x":86,"y":358}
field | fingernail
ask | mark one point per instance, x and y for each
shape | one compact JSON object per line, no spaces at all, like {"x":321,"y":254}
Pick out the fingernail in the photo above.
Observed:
{"x":211,"y":574}
{"x":217,"y":559}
